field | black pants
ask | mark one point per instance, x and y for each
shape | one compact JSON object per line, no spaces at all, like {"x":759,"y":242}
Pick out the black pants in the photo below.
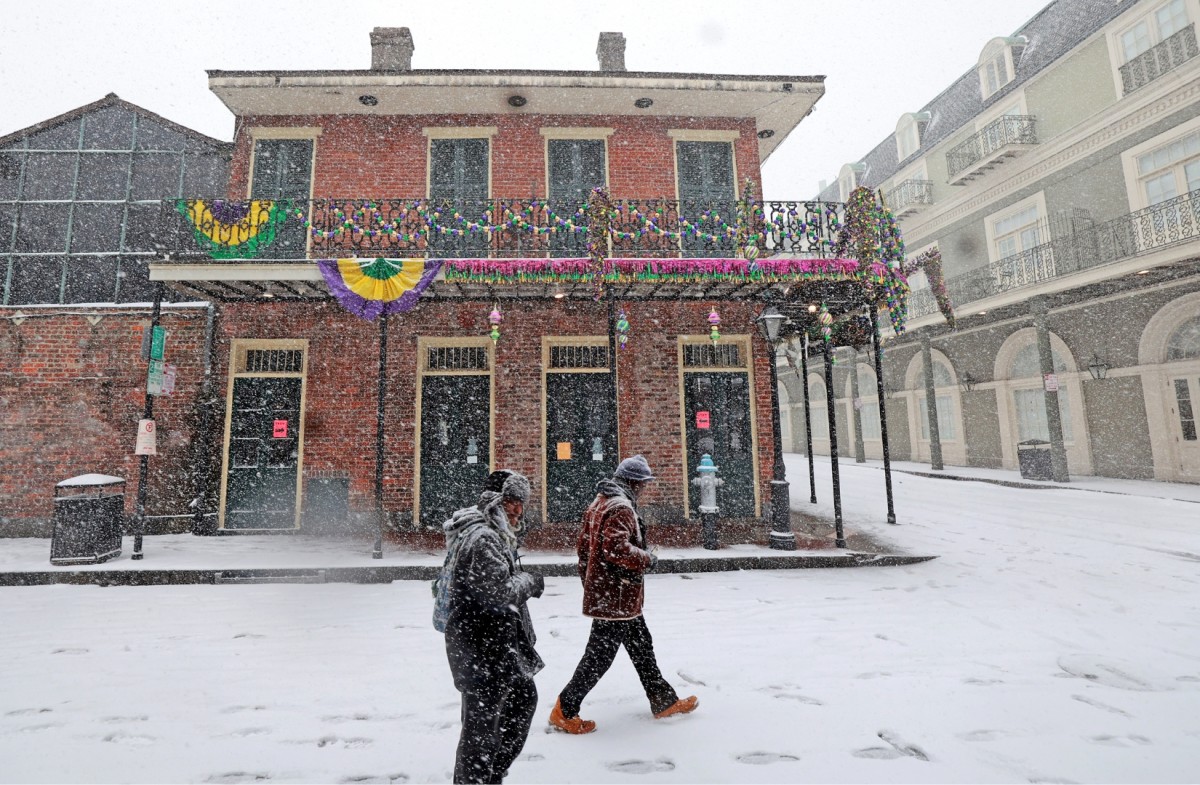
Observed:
{"x":602,"y":645}
{"x":496,"y":716}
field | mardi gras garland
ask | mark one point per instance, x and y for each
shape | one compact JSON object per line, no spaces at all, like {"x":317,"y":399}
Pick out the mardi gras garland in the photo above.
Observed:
{"x":370,"y":287}
{"x":232,"y":229}
{"x":678,"y":271}
{"x":931,"y":263}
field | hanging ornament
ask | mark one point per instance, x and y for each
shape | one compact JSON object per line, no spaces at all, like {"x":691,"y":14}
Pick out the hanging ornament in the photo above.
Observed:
{"x":622,"y":329}
{"x":495,"y":317}
{"x":714,"y":323}
{"x":826,"y":320}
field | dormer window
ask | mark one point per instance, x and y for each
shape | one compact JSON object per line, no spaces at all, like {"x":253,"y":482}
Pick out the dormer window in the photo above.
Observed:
{"x":997,"y":64}
{"x":848,"y":179}
{"x":908,"y":133}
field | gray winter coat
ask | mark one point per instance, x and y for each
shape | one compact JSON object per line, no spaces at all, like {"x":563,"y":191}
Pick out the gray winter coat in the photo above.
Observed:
{"x":488,"y":633}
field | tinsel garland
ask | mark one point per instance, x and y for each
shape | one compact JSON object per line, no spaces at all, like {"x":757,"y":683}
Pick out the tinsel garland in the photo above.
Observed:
{"x":519,"y":271}
{"x":599,"y":216}
{"x":233,"y":229}
{"x":871,"y":235}
{"x":931,"y":263}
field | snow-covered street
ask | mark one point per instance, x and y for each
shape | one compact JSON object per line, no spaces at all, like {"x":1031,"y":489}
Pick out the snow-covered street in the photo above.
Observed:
{"x":1056,"y":639}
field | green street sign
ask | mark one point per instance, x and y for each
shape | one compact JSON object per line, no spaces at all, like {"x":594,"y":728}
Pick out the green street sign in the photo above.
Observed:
{"x":158,"y":343}
{"x":156,"y":378}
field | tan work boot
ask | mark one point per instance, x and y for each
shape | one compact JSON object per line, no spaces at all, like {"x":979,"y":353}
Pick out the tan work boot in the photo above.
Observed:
{"x":681,"y":706}
{"x":572,"y":725}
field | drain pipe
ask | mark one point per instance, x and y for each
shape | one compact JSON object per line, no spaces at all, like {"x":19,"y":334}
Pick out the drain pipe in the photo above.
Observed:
{"x":204,"y":477}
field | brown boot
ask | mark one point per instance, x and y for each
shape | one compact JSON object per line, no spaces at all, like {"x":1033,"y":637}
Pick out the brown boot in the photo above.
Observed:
{"x":572,"y":725}
{"x":681,"y":706}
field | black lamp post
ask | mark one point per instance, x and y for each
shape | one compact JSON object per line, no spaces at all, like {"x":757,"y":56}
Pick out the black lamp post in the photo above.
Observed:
{"x":782,"y":537}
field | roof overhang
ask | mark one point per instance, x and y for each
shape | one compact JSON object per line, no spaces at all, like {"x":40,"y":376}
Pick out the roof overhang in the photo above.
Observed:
{"x":776,"y":103}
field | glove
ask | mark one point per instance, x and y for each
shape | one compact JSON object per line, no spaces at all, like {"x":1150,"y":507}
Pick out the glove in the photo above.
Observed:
{"x":653,"y":562}
{"x":537,"y":584}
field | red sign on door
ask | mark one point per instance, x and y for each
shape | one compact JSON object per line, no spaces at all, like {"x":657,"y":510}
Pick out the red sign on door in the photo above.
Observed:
{"x":280,"y":429}
{"x":702,"y":420}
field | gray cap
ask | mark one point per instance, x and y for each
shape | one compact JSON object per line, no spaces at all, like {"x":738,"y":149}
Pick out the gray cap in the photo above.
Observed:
{"x":516,"y":486}
{"x":635,"y":469}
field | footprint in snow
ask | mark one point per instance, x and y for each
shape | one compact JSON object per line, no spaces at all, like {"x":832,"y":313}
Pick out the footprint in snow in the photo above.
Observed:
{"x":902,"y":746}
{"x":39,"y":728}
{"x":236,"y":709}
{"x":1119,"y":741}
{"x":23,"y":712}
{"x":134,"y":718}
{"x":248,"y":635}
{"x":239,"y":776}
{"x":763,"y":758}
{"x":383,"y":779}
{"x":638,"y":767}
{"x":132,"y":739}
{"x":981,"y":735}
{"x":983,"y":682}
{"x":243,"y":733}
{"x":532,"y":758}
{"x":690,"y":679}
{"x":1099,"y":705}
{"x":69,"y":651}
{"x":792,"y":696}
{"x":876,"y":753}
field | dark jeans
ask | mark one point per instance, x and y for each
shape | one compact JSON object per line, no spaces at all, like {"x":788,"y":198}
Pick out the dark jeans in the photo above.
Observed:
{"x":602,"y":645}
{"x":495,"y":723}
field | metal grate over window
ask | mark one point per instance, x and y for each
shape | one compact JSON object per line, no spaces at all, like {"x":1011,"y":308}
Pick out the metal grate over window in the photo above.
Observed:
{"x":568,"y":357}
{"x":458,"y":358}
{"x":706,"y":355}
{"x":274,"y":360}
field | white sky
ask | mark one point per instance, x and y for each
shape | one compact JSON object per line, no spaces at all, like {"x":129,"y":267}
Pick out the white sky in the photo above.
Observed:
{"x":880,"y":58}
{"x":1054,"y":639}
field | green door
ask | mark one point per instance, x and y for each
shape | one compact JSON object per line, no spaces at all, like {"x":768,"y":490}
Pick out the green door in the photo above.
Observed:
{"x":455,"y":443}
{"x":581,"y":441}
{"x":283,"y":170}
{"x":706,"y":196}
{"x":718,"y":423}
{"x":264,"y":453}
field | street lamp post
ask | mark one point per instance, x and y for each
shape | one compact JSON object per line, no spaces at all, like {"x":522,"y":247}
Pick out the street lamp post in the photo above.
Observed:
{"x":782,"y":537}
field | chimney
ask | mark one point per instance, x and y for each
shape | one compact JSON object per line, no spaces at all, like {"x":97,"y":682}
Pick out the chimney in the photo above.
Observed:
{"x":391,"y":49}
{"x":610,"y":50}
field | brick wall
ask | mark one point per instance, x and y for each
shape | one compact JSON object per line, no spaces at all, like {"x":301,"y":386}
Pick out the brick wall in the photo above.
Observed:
{"x":359,"y":156}
{"x":339,"y":428}
{"x":71,"y":394}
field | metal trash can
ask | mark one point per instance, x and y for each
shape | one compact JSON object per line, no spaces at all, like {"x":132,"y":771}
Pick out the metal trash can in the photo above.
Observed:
{"x":1033,"y":456}
{"x":88,"y":514}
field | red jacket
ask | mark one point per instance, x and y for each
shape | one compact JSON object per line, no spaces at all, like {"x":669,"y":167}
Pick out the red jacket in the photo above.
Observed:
{"x":612,"y":557}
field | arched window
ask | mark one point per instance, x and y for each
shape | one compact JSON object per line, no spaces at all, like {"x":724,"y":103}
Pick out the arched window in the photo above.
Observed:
{"x":868,"y":394}
{"x":1030,"y":403}
{"x":820,"y":419}
{"x":1184,"y":343}
{"x":943,"y":382}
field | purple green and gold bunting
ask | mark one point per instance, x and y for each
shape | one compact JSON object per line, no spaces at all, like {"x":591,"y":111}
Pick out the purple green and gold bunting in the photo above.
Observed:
{"x":232,"y":229}
{"x":370,"y":287}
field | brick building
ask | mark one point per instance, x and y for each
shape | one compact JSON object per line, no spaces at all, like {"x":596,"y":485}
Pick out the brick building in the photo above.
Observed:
{"x":296,"y":414}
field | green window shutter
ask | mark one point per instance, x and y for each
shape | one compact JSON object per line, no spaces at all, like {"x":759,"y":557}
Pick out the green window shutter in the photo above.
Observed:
{"x":458,"y":169}
{"x":576,"y":167}
{"x":282,"y":169}
{"x":705,"y":171}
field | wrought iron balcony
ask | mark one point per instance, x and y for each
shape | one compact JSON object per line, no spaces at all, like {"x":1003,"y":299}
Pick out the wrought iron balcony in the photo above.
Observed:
{"x":997,"y":141}
{"x":1166,"y":224}
{"x":1169,"y":53}
{"x":909,"y":196}
{"x":496,"y":228}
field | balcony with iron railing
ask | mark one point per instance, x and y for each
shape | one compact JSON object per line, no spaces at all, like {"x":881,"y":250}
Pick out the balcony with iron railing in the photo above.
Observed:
{"x":1168,"y":54}
{"x":494,"y":228}
{"x":909,"y":196}
{"x":998,"y":141}
{"x":1155,"y":228}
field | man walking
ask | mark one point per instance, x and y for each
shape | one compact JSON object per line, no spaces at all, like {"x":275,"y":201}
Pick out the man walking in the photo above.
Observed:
{"x":612,"y":560}
{"x":489,"y":636}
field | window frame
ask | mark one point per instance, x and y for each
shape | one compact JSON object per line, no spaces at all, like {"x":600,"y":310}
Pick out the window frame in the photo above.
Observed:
{"x":1134,"y":189}
{"x":997,"y":51}
{"x":1037,"y":200}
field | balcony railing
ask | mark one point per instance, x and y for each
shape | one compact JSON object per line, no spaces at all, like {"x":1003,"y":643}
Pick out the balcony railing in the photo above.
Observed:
{"x":510,"y":228}
{"x":909,"y":196}
{"x":1154,"y":228}
{"x":1001,"y":138}
{"x":1169,"y":53}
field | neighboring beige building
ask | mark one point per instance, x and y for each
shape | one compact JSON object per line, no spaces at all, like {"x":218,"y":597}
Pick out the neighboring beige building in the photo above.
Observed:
{"x":1060,"y":172}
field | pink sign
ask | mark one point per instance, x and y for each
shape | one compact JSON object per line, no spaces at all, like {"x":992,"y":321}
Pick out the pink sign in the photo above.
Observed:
{"x":280,"y":429}
{"x":702,"y":420}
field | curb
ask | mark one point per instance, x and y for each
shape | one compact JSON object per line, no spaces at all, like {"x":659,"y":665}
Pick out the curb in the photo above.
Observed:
{"x":384,"y":574}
